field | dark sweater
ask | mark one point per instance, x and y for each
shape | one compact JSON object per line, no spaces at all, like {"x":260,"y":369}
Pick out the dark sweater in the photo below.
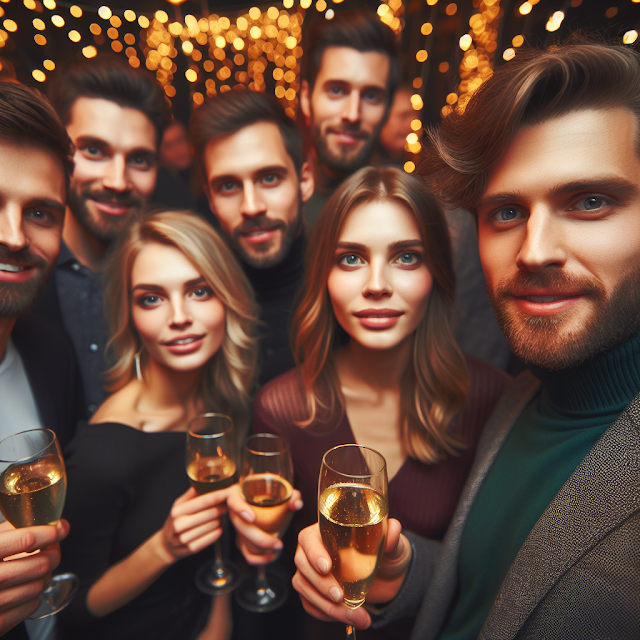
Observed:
{"x":549,"y":440}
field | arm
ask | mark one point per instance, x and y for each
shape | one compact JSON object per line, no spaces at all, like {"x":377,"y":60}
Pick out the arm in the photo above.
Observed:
{"x":192,"y":525}
{"x":23,"y":579}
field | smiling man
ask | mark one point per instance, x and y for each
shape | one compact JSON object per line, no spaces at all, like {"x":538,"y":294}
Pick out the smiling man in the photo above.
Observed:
{"x":544,"y":543}
{"x":350,"y":76}
{"x":256,"y":183}
{"x":115,"y":116}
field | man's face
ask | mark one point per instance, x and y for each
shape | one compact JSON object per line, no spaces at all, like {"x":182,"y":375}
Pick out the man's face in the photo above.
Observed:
{"x":32,"y":205}
{"x":175,"y":150}
{"x":394,"y":134}
{"x":115,"y":165}
{"x":255,"y":192}
{"x":347,"y":106}
{"x":559,"y":232}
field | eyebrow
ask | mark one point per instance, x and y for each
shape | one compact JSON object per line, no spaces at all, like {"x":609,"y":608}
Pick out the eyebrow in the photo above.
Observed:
{"x":84,"y":141}
{"x":280,"y":168}
{"x":47,"y":203}
{"x":401,"y":244}
{"x":158,"y":289}
{"x":624,"y":189}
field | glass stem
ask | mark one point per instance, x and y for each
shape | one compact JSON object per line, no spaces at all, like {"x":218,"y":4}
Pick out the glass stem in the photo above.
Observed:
{"x":261,"y":578}
{"x":218,"y":562}
{"x":351,"y":632}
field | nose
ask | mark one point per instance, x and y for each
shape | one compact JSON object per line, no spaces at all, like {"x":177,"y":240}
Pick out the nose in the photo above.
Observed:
{"x":377,"y":284}
{"x":180,"y":317}
{"x":543,"y":244}
{"x":252,"y":201}
{"x":12,"y":234}
{"x":116,"y":177}
{"x":351,"y":107}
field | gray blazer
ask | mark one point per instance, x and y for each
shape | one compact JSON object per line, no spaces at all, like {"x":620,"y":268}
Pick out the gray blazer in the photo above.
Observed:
{"x":577,"y":575}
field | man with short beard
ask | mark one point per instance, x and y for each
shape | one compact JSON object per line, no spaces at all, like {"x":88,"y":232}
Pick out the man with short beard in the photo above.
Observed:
{"x":544,"y":542}
{"x":115,"y":116}
{"x":251,"y":154}
{"x":351,"y":72}
{"x":39,"y":379}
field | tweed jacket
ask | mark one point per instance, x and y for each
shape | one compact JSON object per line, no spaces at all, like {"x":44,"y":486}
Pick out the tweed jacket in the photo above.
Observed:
{"x":577,"y":575}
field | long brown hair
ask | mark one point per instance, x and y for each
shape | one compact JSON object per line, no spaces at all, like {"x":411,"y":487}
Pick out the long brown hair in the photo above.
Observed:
{"x":435,"y":385}
{"x":227,"y":382}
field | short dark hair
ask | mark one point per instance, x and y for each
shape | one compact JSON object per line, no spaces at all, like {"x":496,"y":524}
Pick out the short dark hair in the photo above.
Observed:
{"x":535,"y":86}
{"x":27,"y":117}
{"x":355,"y":30}
{"x":227,"y":113}
{"x":108,"y":77}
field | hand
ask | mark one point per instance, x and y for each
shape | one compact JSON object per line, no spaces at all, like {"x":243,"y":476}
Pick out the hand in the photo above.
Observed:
{"x":24,"y":577}
{"x":321,"y":594}
{"x":193,"y":523}
{"x":257,"y":546}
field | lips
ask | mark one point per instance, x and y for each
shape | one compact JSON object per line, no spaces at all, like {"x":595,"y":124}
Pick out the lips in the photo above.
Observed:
{"x":184,"y":345}
{"x":348,"y":137}
{"x":378,"y":319}
{"x":12,"y":272}
{"x":377,"y":313}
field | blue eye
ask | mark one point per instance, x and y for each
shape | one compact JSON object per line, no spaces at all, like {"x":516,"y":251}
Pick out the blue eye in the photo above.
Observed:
{"x":148,"y":301}
{"x":351,"y":260}
{"x":408,"y":258}
{"x":507,"y":215}
{"x":202,"y":293}
{"x":591,"y":203}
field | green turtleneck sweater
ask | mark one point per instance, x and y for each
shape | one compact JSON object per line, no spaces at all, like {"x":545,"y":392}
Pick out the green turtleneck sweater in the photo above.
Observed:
{"x":549,"y":440}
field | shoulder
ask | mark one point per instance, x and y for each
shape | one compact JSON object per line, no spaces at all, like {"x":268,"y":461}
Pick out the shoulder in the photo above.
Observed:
{"x":118,"y":407}
{"x":485,"y":379}
{"x":281,"y":401}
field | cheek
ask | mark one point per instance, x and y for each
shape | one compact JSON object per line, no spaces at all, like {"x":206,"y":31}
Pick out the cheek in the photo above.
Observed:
{"x":147,"y":324}
{"x":227,"y":211}
{"x":372,"y":115}
{"x":416,"y":289}
{"x":340,"y":290}
{"x":144,"y":182}
{"x":85,"y":170}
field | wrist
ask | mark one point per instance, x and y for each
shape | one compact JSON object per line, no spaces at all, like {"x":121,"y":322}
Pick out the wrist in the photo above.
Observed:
{"x":161,"y":550}
{"x":395,"y":565}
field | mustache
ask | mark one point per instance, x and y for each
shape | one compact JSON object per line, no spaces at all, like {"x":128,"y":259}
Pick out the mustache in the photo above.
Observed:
{"x":23,"y":258}
{"x":261,"y":223}
{"x":553,"y":282}
{"x":125,"y":199}
{"x":352,"y":130}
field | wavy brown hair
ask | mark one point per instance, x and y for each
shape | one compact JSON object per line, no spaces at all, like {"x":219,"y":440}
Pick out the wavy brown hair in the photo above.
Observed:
{"x":228,"y":378}
{"x":435,"y":385}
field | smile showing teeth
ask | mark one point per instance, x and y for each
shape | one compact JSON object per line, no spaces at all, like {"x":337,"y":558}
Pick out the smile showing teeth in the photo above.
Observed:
{"x":14,"y":268}
{"x":185,"y":341}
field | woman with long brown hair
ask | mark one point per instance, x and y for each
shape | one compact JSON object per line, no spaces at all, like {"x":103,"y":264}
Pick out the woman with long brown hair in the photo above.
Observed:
{"x":182,"y":321}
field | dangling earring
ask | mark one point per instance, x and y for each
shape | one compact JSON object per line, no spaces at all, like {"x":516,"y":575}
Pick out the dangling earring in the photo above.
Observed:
{"x":136,"y":364}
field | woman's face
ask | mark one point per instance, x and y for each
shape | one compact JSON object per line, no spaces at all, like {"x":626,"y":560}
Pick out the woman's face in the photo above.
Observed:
{"x":179,"y":319}
{"x":379,"y":284}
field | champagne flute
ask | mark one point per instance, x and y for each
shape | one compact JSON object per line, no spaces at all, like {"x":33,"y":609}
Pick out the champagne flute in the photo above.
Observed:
{"x":352,"y":512}
{"x":211,"y":465}
{"x":33,"y":486}
{"x":267,"y":485}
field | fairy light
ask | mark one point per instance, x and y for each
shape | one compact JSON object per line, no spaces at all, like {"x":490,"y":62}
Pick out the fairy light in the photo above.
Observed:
{"x":38,"y":75}
{"x":89,"y":52}
{"x":409,"y":166}
{"x":50,"y":4}
{"x":39,"y":24}
{"x":509,"y":54}
{"x":10,"y":26}
{"x":30,"y":4}
{"x":49,"y":65}
{"x":129,"y":15}
{"x":630,"y":36}
{"x":75,"y":11}
{"x":525,"y":8}
{"x":143,"y":21}
{"x":426,"y":29}
{"x":74,"y":36}
{"x":39,"y":39}
{"x":517,"y":41}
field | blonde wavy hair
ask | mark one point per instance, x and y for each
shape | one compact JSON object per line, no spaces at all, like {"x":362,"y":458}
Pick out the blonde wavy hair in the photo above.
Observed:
{"x":435,"y":385}
{"x":228,"y":378}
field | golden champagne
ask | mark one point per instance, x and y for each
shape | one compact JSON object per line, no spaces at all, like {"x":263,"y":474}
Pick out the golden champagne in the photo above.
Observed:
{"x":33,"y":493}
{"x":353,"y":525}
{"x":211,"y":473}
{"x":268,"y":494}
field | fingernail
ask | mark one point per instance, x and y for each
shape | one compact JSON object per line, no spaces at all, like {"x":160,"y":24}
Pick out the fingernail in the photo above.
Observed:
{"x":298,"y":504}
{"x":323,"y":566}
{"x":336,"y":594}
{"x":247,"y":516}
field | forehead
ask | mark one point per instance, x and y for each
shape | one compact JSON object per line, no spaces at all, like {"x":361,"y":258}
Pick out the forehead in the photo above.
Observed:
{"x":379,"y":222}
{"x":243,"y":153}
{"x":578,"y":146}
{"x":29,"y":173}
{"x":158,"y":263}
{"x":120,"y":127}
{"x":353,"y":67}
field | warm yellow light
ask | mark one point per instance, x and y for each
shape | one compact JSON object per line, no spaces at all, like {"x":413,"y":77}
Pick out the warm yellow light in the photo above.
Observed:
{"x":134,"y":62}
{"x":409,"y":167}
{"x":115,"y":22}
{"x":422,"y":55}
{"x":415,"y":147}
{"x":175,"y":29}
{"x":187,"y":47}
{"x":112,"y":33}
{"x":89,"y":52}
{"x":30,"y":4}
{"x":39,"y":39}
{"x":280,"y":91}
{"x":383,"y":9}
{"x":417,"y":83}
{"x":465,"y":42}
{"x":170,"y":90}
{"x":75,"y":11}
{"x":518,"y":41}
{"x":39,"y":24}
{"x":415,"y":99}
{"x":96,"y":29}
{"x":557,"y":17}
{"x":509,"y":54}
{"x":278,"y":74}
{"x":191,"y":75}
{"x":305,"y":4}
{"x":225,"y":23}
{"x":451,"y":98}
{"x":129,"y":38}
{"x":242,"y":23}
{"x":289,"y":94}
{"x":552,"y":26}
{"x":287,"y":4}
{"x":416,"y":125}
{"x":198,"y":98}
{"x":238,"y":44}
{"x":208,"y":66}
{"x":220,"y":42}
{"x":255,"y":32}
{"x":143,"y":21}
{"x":58,"y":21}
{"x":255,"y":13}
{"x":176,"y":2}
{"x":412,"y":138}
{"x":290,"y":42}
{"x":50,"y":4}
{"x":525,"y":8}
{"x":10,"y":25}
{"x":451,"y":9}
{"x":49,"y":65}
{"x":74,"y":36}
{"x":161,"y":16}
{"x":432,"y":2}
{"x":631,"y":36}
{"x":104,"y":12}
{"x":443,"y":67}
{"x":321,"y":5}
{"x":38,"y":75}
{"x":129,"y":15}
{"x":426,"y":29}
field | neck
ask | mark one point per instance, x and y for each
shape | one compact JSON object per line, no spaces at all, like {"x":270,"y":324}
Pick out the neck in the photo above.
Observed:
{"x":6,"y":327}
{"x":86,"y":248}
{"x":325,"y":178}
{"x":378,"y":369}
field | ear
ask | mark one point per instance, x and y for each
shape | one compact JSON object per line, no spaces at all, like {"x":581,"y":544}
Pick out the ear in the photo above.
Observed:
{"x":305,"y":102}
{"x":307,"y":182}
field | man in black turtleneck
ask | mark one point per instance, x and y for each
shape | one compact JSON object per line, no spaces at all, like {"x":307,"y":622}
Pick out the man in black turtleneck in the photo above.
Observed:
{"x":251,"y":154}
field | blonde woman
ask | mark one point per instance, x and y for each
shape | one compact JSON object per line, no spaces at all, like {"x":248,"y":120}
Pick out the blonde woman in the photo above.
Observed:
{"x":182,"y":319}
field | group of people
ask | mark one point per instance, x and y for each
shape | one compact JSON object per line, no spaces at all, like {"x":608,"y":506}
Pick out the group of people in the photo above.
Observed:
{"x":336,"y":303}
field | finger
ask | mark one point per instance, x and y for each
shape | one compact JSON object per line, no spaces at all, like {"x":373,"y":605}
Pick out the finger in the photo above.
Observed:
{"x":26,"y":539}
{"x":203,"y":541}
{"x":310,"y":545}
{"x":20,"y":594}
{"x":295,"y":502}
{"x":393,"y":547}
{"x":254,"y":536}
{"x":240,"y":507}
{"x":14,"y":616}
{"x":325,"y":586}
{"x":189,"y":537}
{"x":27,"y":569}
{"x":252,"y":555}
{"x":190,"y":502}
{"x":183,"y":523}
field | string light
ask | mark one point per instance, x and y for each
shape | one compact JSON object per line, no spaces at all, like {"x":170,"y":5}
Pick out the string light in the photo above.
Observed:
{"x":75,"y":11}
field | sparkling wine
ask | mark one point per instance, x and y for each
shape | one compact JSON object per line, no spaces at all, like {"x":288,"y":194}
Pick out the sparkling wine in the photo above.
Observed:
{"x":353,"y":525}
{"x":268,"y":494}
{"x":211,"y":473}
{"x":33,"y":493}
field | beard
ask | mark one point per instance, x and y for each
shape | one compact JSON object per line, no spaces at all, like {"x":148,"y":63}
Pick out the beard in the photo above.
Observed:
{"x":16,"y":298}
{"x":104,"y":227}
{"x":345,"y":161}
{"x":541,"y":341}
{"x":260,"y":256}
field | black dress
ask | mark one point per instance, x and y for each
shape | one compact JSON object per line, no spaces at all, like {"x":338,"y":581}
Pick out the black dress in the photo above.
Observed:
{"x":122,"y":483}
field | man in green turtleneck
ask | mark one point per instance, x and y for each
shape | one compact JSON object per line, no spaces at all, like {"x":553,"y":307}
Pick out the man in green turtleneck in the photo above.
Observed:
{"x":545,"y":542}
